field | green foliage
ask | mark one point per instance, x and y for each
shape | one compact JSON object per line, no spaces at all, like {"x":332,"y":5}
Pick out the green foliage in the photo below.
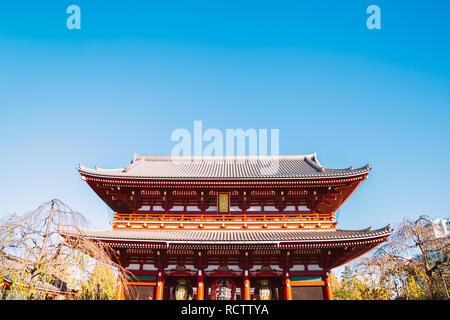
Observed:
{"x":100,"y":285}
{"x":353,"y":287}
{"x":343,"y":294}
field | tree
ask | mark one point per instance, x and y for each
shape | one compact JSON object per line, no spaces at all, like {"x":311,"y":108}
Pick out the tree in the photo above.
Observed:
{"x":36,"y":260}
{"x":358,"y":286}
{"x":414,"y":264}
{"x":347,"y":275}
{"x":100,"y":285}
{"x":404,"y":265}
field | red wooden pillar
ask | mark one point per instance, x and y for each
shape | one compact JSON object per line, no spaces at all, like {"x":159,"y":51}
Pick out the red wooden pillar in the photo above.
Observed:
{"x":287,"y":287}
{"x":160,"y":285}
{"x":247,"y":295}
{"x":200,"y":286}
{"x":287,"y":279}
{"x":119,"y":291}
{"x":328,"y":292}
{"x":200,"y":279}
{"x":246,"y":280}
{"x":160,"y":279}
{"x":120,"y":288}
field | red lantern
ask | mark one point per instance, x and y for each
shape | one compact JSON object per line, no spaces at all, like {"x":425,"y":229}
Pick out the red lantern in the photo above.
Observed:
{"x":224,"y":289}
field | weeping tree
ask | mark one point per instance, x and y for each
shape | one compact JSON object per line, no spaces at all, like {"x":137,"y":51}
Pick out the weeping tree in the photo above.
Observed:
{"x":404,"y":264}
{"x":36,"y":260}
{"x":100,"y":284}
{"x":359,"y":284}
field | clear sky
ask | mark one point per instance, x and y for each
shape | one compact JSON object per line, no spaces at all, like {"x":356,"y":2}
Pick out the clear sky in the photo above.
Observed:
{"x":135,"y":72}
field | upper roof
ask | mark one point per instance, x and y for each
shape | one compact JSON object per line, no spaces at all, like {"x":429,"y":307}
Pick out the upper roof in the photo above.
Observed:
{"x":225,"y":167}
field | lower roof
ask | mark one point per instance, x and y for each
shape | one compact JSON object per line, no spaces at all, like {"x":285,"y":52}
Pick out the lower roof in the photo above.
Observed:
{"x":227,"y":237}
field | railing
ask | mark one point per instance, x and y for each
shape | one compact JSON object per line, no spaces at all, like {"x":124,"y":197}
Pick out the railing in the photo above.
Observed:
{"x":222,"y":217}
{"x":224,"y":221}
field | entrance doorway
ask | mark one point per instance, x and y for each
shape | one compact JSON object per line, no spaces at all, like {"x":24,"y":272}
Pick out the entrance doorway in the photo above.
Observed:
{"x":230,"y":288}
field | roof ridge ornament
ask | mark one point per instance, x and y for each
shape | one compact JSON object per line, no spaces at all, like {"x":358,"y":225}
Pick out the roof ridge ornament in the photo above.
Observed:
{"x":312,"y":160}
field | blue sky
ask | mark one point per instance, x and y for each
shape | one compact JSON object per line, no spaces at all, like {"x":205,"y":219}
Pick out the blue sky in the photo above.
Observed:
{"x":135,"y":72}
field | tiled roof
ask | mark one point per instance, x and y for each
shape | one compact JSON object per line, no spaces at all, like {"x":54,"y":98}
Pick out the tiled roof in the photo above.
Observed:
{"x":238,"y":237}
{"x":235,"y":167}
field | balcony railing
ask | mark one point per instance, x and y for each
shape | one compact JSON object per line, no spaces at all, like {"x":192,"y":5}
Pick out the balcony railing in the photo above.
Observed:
{"x":225,"y":221}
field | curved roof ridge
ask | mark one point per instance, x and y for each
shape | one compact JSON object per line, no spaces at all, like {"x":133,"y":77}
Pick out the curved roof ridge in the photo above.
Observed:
{"x":351,"y":168}
{"x":103,"y":169}
{"x":96,"y":168}
{"x":137,"y":157}
{"x":386,"y":228}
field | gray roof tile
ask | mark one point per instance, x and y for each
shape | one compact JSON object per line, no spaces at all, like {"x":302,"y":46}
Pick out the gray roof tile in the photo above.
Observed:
{"x":236,"y":167}
{"x":239,"y":236}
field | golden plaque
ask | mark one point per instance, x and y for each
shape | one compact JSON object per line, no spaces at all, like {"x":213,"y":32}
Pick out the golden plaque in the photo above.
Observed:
{"x":223,"y":202}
